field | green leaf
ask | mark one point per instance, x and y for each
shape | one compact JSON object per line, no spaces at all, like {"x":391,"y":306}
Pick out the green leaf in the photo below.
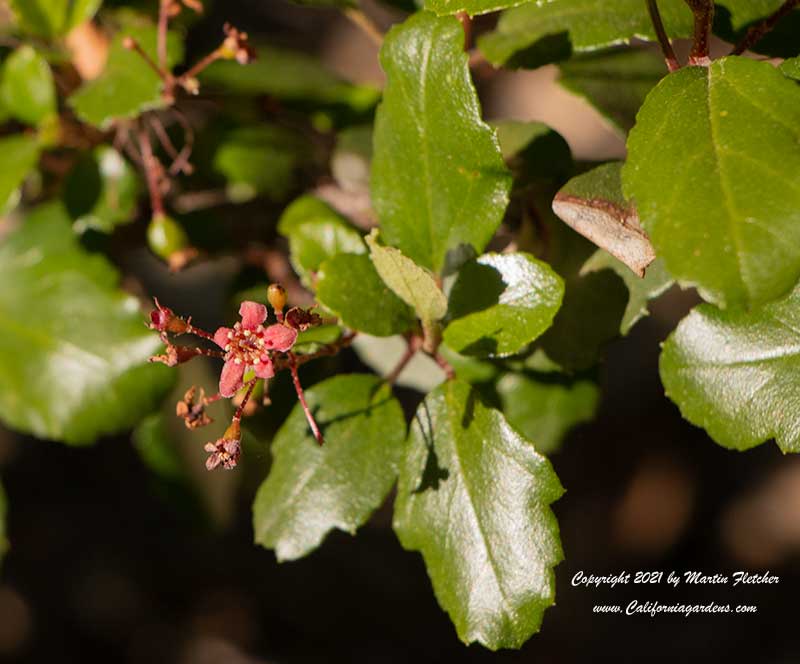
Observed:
{"x":500,"y":303}
{"x":471,"y":7}
{"x":290,"y":76}
{"x":413,"y":284}
{"x":735,"y":373}
{"x":317,"y":232}
{"x":350,"y":287}
{"x":791,"y":68}
{"x":27,"y":91}
{"x":640,"y":290}
{"x":592,"y":204}
{"x":101,"y":192}
{"x":731,"y":22}
{"x":261,"y":160}
{"x":312,"y":488}
{"x":439,"y":184}
{"x":489,"y":550}
{"x":19,"y":155}
{"x":128,"y":86}
{"x":712,"y":167}
{"x":73,"y":348}
{"x":544,"y":409}
{"x":615,"y":83}
{"x":537,"y":33}
{"x":53,"y":18}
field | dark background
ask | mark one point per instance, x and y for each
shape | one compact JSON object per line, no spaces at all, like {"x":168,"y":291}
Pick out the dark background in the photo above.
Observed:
{"x":107,"y":565}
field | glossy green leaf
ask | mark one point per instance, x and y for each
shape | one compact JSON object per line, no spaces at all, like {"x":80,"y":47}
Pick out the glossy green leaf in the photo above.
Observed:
{"x":473,"y":498}
{"x":592,"y":204}
{"x":101,"y":192}
{"x":539,"y":32}
{"x":291,"y":76}
{"x":19,"y":154}
{"x":713,"y":167}
{"x":500,"y":303}
{"x":656,"y":281}
{"x":349,"y":286}
{"x":261,"y":160}
{"x":73,"y":348}
{"x":413,"y":284}
{"x":791,"y":68}
{"x":27,"y":91}
{"x":128,"y":86}
{"x":439,"y":184}
{"x":317,"y":232}
{"x":471,"y":7}
{"x":735,"y":373}
{"x":544,"y":408}
{"x":615,"y":83}
{"x":53,"y":18}
{"x":313,"y":489}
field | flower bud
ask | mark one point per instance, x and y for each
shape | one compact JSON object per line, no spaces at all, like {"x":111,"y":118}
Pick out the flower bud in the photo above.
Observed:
{"x":276,"y":296}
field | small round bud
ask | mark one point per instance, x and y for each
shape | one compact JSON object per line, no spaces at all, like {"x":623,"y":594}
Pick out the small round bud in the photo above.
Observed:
{"x":276,"y":296}
{"x":166,"y":237}
{"x":129,"y":43}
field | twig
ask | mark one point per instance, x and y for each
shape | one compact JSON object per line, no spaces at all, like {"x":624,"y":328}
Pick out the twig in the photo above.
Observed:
{"x":411,"y":350}
{"x":302,"y":398}
{"x":250,"y":385}
{"x":666,"y":46}
{"x":445,"y":366}
{"x":132,"y":45}
{"x":151,"y":171}
{"x":703,"y":11}
{"x":366,"y":24}
{"x":758,"y":31}
{"x":163,"y":24}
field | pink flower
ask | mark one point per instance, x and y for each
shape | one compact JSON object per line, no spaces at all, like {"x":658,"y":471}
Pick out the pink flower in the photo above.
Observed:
{"x":250,"y":344}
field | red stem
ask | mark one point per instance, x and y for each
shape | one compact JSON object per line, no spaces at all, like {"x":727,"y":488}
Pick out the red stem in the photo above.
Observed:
{"x":663,"y":39}
{"x":757,"y":32}
{"x":250,"y":385}
{"x":411,"y":350}
{"x":151,"y":169}
{"x":302,"y":398}
{"x":703,"y":11}
{"x":163,"y":22}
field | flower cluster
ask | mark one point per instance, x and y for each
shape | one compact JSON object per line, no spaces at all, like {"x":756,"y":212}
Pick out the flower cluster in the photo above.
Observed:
{"x":252,"y":350}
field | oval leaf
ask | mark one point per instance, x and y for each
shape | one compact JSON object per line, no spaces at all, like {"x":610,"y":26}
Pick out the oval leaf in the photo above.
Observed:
{"x":490,"y":552}
{"x":439,"y":183}
{"x":713,"y":166}
{"x":500,"y":303}
{"x":28,"y":91}
{"x":312,"y":488}
{"x":736,"y":373}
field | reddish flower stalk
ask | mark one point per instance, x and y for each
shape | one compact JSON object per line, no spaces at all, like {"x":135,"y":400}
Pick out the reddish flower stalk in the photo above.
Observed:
{"x":302,"y":398}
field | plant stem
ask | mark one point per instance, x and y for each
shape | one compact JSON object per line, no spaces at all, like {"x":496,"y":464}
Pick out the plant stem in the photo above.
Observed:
{"x":703,"y":11}
{"x":666,"y":46}
{"x":131,"y":44}
{"x":757,"y":32}
{"x":151,"y":170}
{"x":445,"y":365}
{"x":365,"y":24}
{"x":411,"y":350}
{"x":163,"y":23}
{"x":302,"y":398}
{"x":201,"y":65}
{"x":250,"y":385}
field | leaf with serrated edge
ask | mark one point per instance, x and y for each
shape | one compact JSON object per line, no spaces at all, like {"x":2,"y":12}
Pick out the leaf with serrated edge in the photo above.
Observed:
{"x":410,"y":282}
{"x":500,"y":303}
{"x":735,"y":373}
{"x":312,"y":488}
{"x":473,"y":498}
{"x":73,"y":348}
{"x":439,"y":183}
{"x":592,"y":203}
{"x":640,"y":290}
{"x":713,"y":167}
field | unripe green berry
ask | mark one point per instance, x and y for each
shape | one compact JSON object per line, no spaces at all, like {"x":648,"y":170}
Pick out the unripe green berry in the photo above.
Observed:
{"x":165,"y":236}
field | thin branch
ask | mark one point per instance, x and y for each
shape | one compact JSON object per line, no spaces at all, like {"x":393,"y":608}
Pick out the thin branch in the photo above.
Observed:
{"x":410,"y":352}
{"x":132,"y":45}
{"x":445,"y":366}
{"x":200,"y":66}
{"x":151,"y":171}
{"x":365,"y":24}
{"x":703,"y":11}
{"x":302,"y":398}
{"x":163,"y":24}
{"x":666,"y":46}
{"x":758,"y":31}
{"x":250,"y":385}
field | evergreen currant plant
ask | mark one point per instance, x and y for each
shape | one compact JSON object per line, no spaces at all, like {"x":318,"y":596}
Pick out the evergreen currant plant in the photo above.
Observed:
{"x":479,"y":252}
